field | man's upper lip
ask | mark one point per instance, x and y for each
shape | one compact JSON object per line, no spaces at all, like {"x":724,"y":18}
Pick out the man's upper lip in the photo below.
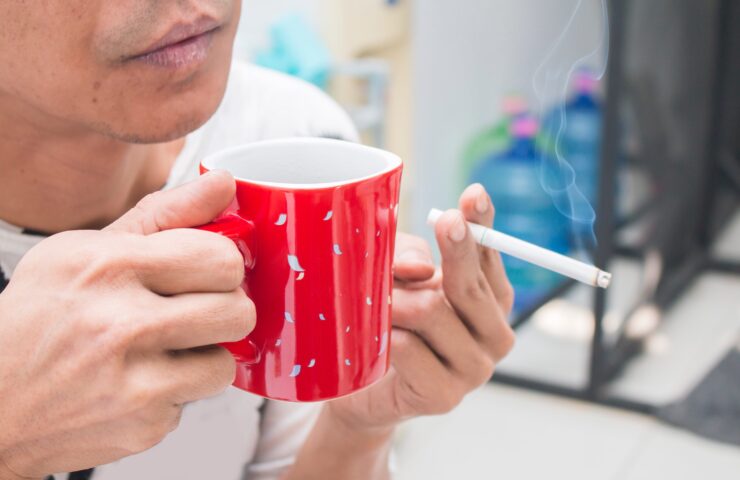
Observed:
{"x":182,"y":31}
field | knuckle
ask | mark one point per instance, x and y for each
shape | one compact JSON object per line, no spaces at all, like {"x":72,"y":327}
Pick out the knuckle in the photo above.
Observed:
{"x":434,"y":300}
{"x":225,"y":369}
{"x":145,"y":209}
{"x":145,"y":392}
{"x":237,"y":312}
{"x":127,"y":321}
{"x":166,"y":421}
{"x":148,"y":201}
{"x":486,"y":369}
{"x":131,"y":329}
{"x":507,"y":343}
{"x":427,"y":306}
{"x":152,"y":436}
{"x":93,"y":322}
{"x":154,"y":211}
{"x":228,"y":260}
{"x":149,"y":204}
{"x":79,"y":253}
{"x":68,"y":253}
{"x":150,"y":415}
{"x":508,"y":296}
{"x":246,"y":315}
{"x":175,"y":419}
{"x":138,"y":398}
{"x":447,"y":402}
{"x":402,"y":340}
{"x":156,"y":422}
{"x":103,"y":331}
{"x":102,"y":265}
{"x":480,"y":288}
{"x":477,"y":288}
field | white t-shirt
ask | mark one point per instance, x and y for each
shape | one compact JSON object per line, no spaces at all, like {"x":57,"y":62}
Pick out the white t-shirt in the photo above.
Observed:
{"x":235,"y":435}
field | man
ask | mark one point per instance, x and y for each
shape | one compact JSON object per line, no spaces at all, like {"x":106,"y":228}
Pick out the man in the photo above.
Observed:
{"x":113,"y":308}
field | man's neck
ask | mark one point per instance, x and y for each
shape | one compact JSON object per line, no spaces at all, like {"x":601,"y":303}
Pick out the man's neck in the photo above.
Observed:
{"x":63,"y":179}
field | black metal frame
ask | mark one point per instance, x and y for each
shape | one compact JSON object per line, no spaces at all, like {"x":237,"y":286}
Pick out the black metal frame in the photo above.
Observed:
{"x":608,"y":361}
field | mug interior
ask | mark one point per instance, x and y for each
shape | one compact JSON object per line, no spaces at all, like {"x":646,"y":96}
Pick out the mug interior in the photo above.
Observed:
{"x":303,"y":162}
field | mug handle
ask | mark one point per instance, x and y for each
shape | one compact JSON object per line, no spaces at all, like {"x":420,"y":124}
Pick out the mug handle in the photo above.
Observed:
{"x":240,"y":231}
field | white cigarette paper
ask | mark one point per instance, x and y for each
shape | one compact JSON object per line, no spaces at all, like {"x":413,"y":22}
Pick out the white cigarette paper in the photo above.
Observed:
{"x":588,"y":274}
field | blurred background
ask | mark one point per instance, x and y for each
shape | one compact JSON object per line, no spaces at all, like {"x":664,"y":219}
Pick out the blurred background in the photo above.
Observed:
{"x":605,"y":130}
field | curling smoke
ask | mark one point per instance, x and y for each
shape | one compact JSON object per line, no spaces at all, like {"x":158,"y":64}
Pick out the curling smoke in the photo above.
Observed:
{"x":551,"y":81}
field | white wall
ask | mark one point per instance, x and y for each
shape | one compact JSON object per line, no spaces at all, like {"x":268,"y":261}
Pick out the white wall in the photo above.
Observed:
{"x":468,"y":54}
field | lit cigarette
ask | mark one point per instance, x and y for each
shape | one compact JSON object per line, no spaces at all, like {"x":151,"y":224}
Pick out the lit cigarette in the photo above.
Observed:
{"x":535,"y":255}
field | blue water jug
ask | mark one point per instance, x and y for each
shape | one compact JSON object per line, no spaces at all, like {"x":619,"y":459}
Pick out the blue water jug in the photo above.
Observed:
{"x":524,"y":209}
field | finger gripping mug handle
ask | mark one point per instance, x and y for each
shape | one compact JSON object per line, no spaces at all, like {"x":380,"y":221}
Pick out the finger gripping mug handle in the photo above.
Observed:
{"x":240,"y":231}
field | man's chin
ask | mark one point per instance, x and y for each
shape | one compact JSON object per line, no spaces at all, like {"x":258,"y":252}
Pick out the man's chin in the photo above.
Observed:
{"x":155,"y":132}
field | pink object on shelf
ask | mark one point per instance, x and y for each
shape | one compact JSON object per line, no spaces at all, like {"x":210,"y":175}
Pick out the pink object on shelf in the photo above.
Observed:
{"x":525,"y":127}
{"x":585,"y":82}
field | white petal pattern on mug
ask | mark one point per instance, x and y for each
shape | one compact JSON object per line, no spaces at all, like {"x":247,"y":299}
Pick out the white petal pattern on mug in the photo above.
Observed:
{"x":337,"y":249}
{"x":369,"y":301}
{"x":328,"y":216}
{"x":383,"y":344}
{"x":301,"y":276}
{"x":312,"y":363}
{"x":278,"y":342}
{"x":296,"y":371}
{"x":295,"y":265}
{"x":289,"y":317}
{"x":282,"y":219}
{"x":322,"y":317}
{"x":347,"y":362}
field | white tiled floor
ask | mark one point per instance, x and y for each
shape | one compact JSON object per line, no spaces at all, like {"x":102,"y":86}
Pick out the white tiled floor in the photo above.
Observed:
{"x":698,"y":332}
{"x":506,"y":433}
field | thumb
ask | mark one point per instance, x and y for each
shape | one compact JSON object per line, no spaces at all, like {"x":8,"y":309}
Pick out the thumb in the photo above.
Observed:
{"x":190,"y":205}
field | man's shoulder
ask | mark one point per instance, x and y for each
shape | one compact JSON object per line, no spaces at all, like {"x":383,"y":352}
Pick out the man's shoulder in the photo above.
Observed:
{"x":280,"y":105}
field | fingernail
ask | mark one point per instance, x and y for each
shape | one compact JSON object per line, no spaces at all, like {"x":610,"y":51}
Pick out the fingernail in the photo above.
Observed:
{"x":458,"y":229}
{"x":482,"y":202}
{"x":414,"y":256}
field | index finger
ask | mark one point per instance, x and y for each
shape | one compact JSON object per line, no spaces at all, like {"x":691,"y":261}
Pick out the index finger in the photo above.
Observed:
{"x":189,"y":261}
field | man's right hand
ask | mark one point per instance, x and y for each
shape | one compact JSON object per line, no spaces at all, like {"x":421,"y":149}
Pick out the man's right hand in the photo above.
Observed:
{"x":105,"y":335}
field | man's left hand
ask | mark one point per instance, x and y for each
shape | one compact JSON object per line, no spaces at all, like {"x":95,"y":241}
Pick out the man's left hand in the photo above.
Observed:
{"x":450,"y":324}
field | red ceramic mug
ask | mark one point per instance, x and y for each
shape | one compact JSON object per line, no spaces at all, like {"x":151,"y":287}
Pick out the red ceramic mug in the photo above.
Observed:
{"x":316,"y":222}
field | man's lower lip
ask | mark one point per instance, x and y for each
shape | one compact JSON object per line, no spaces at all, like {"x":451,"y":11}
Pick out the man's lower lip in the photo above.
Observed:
{"x":192,"y":51}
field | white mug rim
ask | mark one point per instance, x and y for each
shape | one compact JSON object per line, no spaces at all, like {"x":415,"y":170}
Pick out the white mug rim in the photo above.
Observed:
{"x":392,"y":161}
